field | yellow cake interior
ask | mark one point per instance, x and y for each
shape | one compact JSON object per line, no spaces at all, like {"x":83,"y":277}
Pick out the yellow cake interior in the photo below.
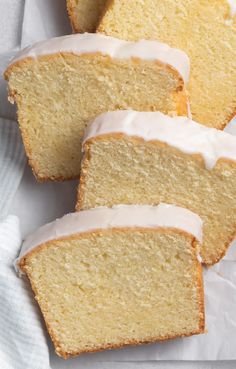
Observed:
{"x":58,"y":95}
{"x":201,"y":28}
{"x":122,"y":169}
{"x":116,"y":287}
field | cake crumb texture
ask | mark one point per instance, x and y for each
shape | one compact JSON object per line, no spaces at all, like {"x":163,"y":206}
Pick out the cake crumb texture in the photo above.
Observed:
{"x":112,"y":288}
{"x":121,"y":169}
{"x":204,"y":29}
{"x":58,"y":95}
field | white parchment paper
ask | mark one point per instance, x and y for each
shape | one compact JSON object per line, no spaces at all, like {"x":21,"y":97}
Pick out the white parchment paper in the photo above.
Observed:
{"x":37,"y":204}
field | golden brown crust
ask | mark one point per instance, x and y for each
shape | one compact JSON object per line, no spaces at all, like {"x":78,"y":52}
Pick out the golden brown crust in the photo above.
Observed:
{"x":71,"y":14}
{"x":23,"y":266}
{"x":182,"y":100}
{"x":83,"y":172}
{"x":200,"y":289}
{"x":71,"y":7}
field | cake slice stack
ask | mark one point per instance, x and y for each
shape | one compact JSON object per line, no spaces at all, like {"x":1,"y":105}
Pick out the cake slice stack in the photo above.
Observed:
{"x":156,"y":188}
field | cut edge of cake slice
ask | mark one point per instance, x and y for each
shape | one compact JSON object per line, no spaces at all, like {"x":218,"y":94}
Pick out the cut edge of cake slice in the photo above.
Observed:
{"x":70,"y":259}
{"x":167,"y":159}
{"x":196,"y":28}
{"x":61,"y":84}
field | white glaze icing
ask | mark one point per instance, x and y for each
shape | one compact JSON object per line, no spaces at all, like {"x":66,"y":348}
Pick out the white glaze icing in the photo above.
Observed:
{"x":145,"y":216}
{"x":232,"y":4}
{"x":115,"y":48}
{"x":180,"y":132}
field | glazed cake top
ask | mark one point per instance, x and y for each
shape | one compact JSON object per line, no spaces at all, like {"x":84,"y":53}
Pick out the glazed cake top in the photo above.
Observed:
{"x":87,"y":43}
{"x":180,"y":132}
{"x":131,"y":216}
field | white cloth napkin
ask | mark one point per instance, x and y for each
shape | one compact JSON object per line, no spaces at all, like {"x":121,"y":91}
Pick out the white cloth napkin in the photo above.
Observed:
{"x":23,"y":342}
{"x":12,"y":163}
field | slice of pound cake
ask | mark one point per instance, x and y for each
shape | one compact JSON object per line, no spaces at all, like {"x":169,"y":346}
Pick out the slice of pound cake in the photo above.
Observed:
{"x":205,"y":30}
{"x":61,"y":84}
{"x":85,"y":14}
{"x":147,"y":158}
{"x":106,"y":278}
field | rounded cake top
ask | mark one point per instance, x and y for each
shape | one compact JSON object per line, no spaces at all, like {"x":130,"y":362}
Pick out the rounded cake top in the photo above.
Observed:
{"x":87,"y":43}
{"x":180,"y":132}
{"x":126,"y":216}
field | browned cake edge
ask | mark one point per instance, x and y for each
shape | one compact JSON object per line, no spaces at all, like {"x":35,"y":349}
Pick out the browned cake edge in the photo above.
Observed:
{"x":86,"y":162}
{"x":74,"y":23}
{"x":201,"y":329}
{"x":180,"y":95}
{"x":72,"y":17}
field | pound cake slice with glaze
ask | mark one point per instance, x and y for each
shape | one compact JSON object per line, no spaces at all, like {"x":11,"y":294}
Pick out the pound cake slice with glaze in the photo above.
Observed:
{"x":110,"y":277}
{"x":205,"y":30}
{"x":61,"y":84}
{"x":148,"y":158}
{"x":85,"y":14}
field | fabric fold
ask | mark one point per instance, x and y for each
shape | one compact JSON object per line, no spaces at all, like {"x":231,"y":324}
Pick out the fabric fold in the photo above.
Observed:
{"x":23,"y":343}
{"x":12,"y":163}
